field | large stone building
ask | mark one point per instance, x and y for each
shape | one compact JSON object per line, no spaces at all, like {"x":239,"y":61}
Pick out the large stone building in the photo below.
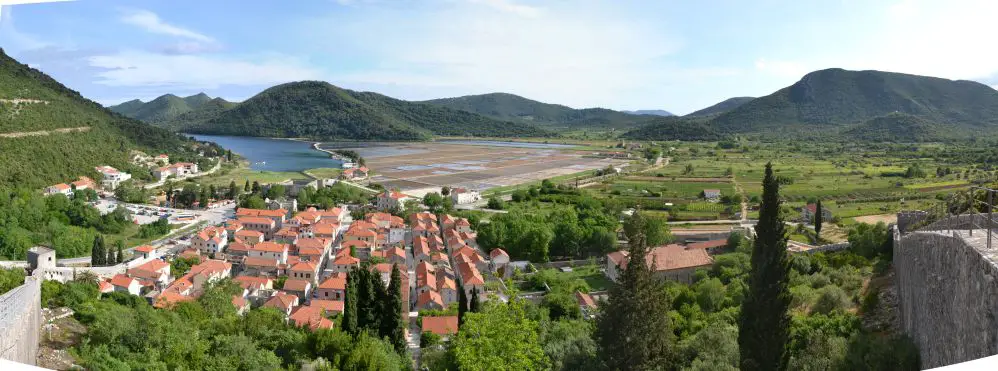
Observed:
{"x":672,"y":262}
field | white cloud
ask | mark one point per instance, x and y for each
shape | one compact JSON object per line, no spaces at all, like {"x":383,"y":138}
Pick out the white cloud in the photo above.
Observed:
{"x":151,"y":22}
{"x":782,"y":68}
{"x":139,"y":69}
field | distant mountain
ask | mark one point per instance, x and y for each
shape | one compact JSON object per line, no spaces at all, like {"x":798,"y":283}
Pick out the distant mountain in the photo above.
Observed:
{"x":650,"y":112}
{"x":899,"y":127}
{"x":725,"y":106}
{"x":675,"y":128}
{"x":32,"y":103}
{"x":319,"y":110}
{"x":504,"y":106}
{"x":835,"y":97}
{"x":161,"y":109}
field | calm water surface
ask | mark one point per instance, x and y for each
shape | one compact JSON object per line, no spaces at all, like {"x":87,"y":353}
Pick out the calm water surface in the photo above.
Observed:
{"x":274,"y":154}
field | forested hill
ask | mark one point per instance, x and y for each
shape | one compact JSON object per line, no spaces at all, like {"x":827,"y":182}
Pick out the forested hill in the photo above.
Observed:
{"x":164,"y":108}
{"x":722,"y":107}
{"x":674,"y":128}
{"x":837,"y":104}
{"x":503,"y":106}
{"x":315,"y":109}
{"x":32,"y":104}
{"x":836,"y":97}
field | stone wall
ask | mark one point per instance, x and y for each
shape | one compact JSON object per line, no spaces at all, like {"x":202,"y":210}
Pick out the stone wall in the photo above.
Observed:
{"x":948,"y":295}
{"x":20,"y":322}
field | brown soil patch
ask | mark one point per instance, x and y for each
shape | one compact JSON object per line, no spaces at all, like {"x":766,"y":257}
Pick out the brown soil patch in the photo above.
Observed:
{"x":874,"y":219}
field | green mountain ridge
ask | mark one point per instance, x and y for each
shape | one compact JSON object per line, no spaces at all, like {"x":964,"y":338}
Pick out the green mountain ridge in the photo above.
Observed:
{"x":721,"y":107}
{"x":505,"y":106}
{"x":162,"y":109}
{"x":319,"y":110}
{"x":104,"y":137}
{"x":841,"y":104}
{"x":675,"y":128}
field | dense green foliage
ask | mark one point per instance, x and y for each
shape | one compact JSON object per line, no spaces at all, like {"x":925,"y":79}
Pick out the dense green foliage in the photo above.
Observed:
{"x":10,"y":278}
{"x":165,"y":107}
{"x":124,"y":332}
{"x":319,"y":110}
{"x":42,"y":160}
{"x":899,"y":128}
{"x":722,"y":107}
{"x":501,"y":337}
{"x":764,"y":323}
{"x":675,"y":128}
{"x":67,"y":225}
{"x":509,"y":107}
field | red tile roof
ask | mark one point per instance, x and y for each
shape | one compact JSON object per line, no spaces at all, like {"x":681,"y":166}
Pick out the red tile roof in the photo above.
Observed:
{"x":429,"y":296}
{"x":585,"y":299}
{"x":446,"y":325}
{"x":145,"y":249}
{"x":269,"y":246}
{"x":296,"y":284}
{"x":319,"y":243}
{"x":311,"y":317}
{"x":260,"y":262}
{"x":497,"y":252}
{"x":281,"y":301}
{"x":334,"y":283}
{"x":121,"y":280}
{"x":249,"y":233}
{"x":304,"y":267}
{"x":256,"y":283}
{"x":262,"y":213}
{"x":668,"y":258}
{"x":346,"y":260}
{"x":708,"y":244}
{"x":330,"y":306}
{"x":257,"y":220}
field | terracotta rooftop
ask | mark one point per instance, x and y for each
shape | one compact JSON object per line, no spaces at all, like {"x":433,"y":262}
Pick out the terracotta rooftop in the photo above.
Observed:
{"x":497,"y":252}
{"x":296,"y":284}
{"x":145,"y":249}
{"x":311,"y":317}
{"x":305,"y":267}
{"x":251,"y":282}
{"x":334,"y":283}
{"x":262,"y":213}
{"x":446,"y":325}
{"x":667,"y":257}
{"x":708,"y":244}
{"x":268,"y":246}
{"x":330,"y":306}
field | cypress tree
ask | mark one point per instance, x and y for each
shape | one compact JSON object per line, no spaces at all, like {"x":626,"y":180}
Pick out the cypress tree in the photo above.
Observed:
{"x":392,"y":325}
{"x":633,"y":330}
{"x":764,"y":324}
{"x":256,"y":187}
{"x":818,"y":219}
{"x":462,"y":302}
{"x":379,"y":299}
{"x":474,"y":306}
{"x":246,"y":187}
{"x":233,"y":191}
{"x":349,"y":321}
{"x":95,"y":254}
{"x":120,"y":258}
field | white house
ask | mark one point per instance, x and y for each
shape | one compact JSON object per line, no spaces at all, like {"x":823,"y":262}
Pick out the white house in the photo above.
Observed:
{"x":390,"y":200}
{"x":462,"y":196}
{"x":210,"y":240}
{"x":712,"y":194}
{"x":112,"y":177}
{"x":123,"y":283}
{"x":61,"y":188}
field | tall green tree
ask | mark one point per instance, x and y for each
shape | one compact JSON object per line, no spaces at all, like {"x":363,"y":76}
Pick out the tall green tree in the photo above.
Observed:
{"x":633,"y":331}
{"x":392,"y":325}
{"x":233,"y":191}
{"x":462,"y":302}
{"x":475,"y":305}
{"x":120,"y":258}
{"x":349,"y":321}
{"x":818,"y":219}
{"x":764,"y":323}
{"x":98,"y":255}
{"x":246,"y":186}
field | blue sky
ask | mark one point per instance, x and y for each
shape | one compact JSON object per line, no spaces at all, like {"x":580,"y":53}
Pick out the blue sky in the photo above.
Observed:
{"x":625,"y":54}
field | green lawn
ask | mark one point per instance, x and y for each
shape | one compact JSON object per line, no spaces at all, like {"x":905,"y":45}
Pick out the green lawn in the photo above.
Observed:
{"x":324,"y":172}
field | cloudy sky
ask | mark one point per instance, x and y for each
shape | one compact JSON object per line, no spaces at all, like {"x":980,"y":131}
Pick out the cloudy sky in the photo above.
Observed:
{"x":619,"y":54}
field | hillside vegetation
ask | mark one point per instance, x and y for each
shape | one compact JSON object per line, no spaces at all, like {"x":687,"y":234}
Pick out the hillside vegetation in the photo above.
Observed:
{"x":722,"y":107}
{"x":837,"y":104}
{"x":33,"y":101}
{"x":165,"y":107}
{"x":674,"y":128}
{"x":319,"y":110}
{"x":503,"y":106}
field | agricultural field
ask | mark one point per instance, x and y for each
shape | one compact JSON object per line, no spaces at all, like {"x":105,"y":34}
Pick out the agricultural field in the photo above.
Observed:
{"x":852,"y":181}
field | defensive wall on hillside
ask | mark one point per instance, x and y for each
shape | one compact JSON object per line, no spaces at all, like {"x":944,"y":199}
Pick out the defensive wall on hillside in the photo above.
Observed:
{"x":20,"y":322}
{"x":947,"y":284}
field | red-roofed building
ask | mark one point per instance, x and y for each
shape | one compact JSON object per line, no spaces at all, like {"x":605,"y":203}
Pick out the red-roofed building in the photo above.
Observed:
{"x":712,"y":246}
{"x":104,"y":286}
{"x":266,"y":266}
{"x":242,"y":305}
{"x":429,"y":300}
{"x":270,"y":250}
{"x":210,"y":240}
{"x":673,"y":262}
{"x":344,"y":262}
{"x":278,"y":216}
{"x":392,"y":200}
{"x":333,"y":288}
{"x":311,"y":317}
{"x":286,"y":235}
{"x":361,"y":248}
{"x":144,"y":251}
{"x":249,"y":237}
{"x":305,"y":270}
{"x":586,"y":303}
{"x":443,"y":326}
{"x":283,"y":302}
{"x":61,"y":188}
{"x":298,"y":287}
{"x":123,"y":283}
{"x":263,"y":225}
{"x":330,"y":307}
{"x":155,"y":270}
{"x":238,"y":249}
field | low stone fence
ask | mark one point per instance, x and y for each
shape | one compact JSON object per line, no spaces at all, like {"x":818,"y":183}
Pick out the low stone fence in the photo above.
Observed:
{"x":21,"y":321}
